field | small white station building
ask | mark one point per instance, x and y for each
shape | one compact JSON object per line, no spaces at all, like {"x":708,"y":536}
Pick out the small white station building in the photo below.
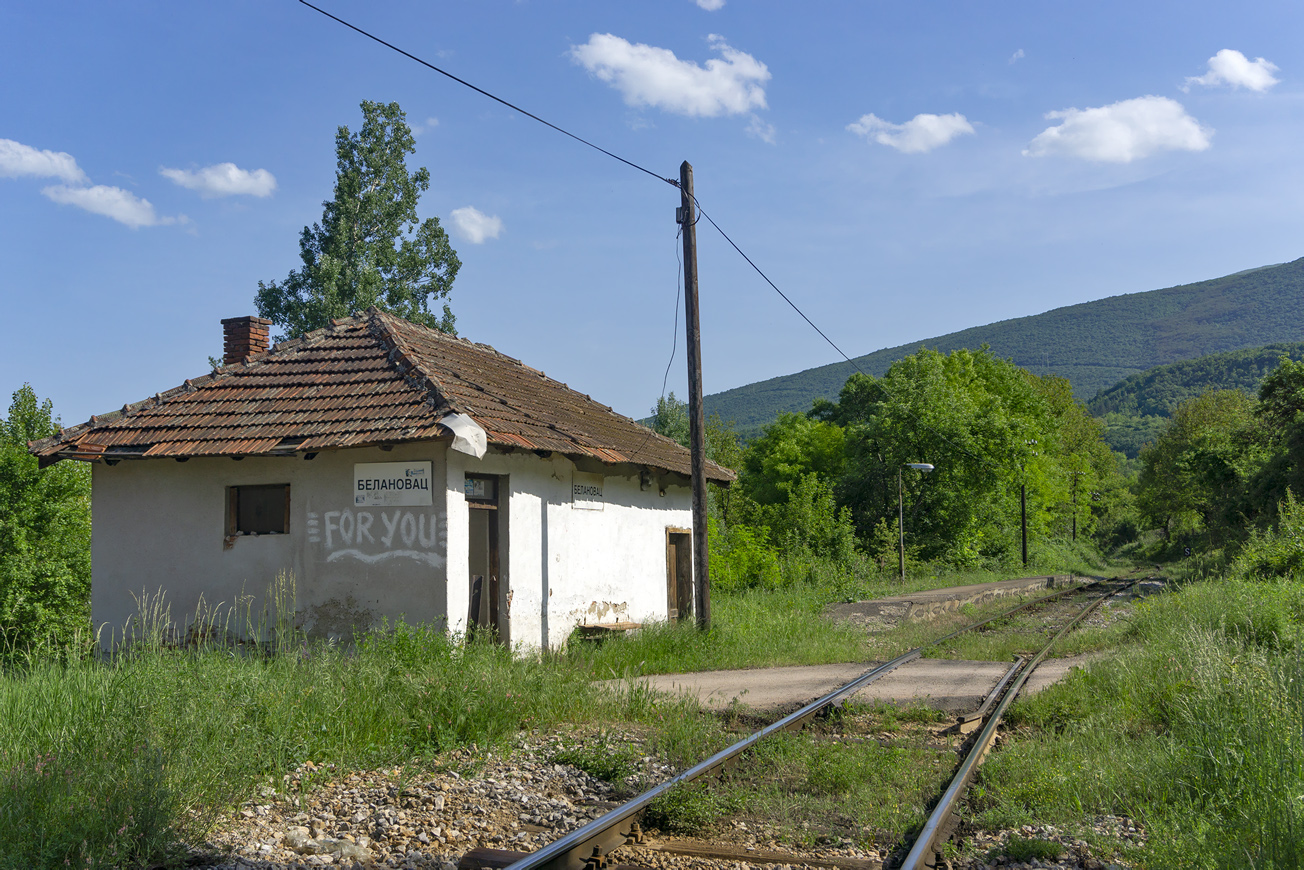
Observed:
{"x":395,"y":471}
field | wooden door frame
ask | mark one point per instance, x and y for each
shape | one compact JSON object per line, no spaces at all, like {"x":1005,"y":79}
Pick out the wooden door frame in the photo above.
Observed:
{"x":675,"y":579}
{"x":491,"y":585}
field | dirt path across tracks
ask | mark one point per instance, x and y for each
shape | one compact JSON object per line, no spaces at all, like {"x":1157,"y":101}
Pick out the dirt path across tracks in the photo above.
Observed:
{"x":954,"y":686}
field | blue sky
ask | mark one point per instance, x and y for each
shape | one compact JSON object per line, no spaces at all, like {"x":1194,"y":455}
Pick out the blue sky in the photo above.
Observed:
{"x":900,"y":170}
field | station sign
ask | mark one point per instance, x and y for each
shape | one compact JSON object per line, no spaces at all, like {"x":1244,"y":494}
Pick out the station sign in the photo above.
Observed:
{"x":393,"y":484}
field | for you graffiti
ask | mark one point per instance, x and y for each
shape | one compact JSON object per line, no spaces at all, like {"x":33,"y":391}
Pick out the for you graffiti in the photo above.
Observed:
{"x":375,"y":536}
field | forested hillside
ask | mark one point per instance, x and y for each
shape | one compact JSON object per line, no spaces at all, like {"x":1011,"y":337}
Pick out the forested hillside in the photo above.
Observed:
{"x":1136,"y":410}
{"x":1094,"y":344}
{"x":1159,"y":391}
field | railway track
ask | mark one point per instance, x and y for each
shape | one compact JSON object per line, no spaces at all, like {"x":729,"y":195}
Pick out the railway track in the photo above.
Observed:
{"x":590,"y":846}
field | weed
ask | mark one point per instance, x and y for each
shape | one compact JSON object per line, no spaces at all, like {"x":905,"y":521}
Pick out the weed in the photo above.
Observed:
{"x":1026,"y":849}
{"x":693,"y":808}
{"x":602,"y":756}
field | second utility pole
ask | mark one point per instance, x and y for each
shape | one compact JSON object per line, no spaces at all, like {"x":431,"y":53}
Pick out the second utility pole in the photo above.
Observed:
{"x":687,"y":215}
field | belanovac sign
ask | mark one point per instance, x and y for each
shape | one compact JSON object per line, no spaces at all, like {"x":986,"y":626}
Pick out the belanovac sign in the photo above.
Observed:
{"x":386,"y":484}
{"x":586,"y":491}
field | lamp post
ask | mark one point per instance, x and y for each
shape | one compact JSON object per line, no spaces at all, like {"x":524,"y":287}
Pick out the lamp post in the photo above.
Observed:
{"x":901,"y":515}
{"x":1023,"y":504}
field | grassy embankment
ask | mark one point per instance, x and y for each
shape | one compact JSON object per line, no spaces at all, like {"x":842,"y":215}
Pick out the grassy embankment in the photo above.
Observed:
{"x":124,"y":762}
{"x":1195,"y":730}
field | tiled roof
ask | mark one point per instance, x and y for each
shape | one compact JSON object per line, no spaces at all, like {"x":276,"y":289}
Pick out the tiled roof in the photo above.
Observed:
{"x":369,"y":379}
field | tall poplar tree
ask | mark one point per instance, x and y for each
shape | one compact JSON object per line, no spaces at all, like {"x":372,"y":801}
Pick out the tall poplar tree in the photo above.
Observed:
{"x":369,"y":248}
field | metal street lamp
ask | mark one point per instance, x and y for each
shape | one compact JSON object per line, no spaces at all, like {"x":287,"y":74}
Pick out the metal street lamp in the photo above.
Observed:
{"x":1023,"y":504}
{"x":901,"y":515}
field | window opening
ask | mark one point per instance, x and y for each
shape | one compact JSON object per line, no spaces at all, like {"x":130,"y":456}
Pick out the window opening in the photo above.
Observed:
{"x":263,"y":509}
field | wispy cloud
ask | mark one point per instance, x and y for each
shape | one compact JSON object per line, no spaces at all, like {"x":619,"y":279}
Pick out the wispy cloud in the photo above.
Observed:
{"x":1230,"y":67}
{"x":425,"y":126}
{"x":18,"y":160}
{"x":1122,"y":132}
{"x":114,"y":202}
{"x":474,"y":225}
{"x":710,"y":5}
{"x":761,"y":129}
{"x":920,"y":134}
{"x":223,"y":179}
{"x":23,"y":161}
{"x":1017,"y":56}
{"x":732,"y":84}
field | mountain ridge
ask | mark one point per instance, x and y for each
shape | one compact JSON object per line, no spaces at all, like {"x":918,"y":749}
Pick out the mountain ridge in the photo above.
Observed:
{"x":1093,"y":344}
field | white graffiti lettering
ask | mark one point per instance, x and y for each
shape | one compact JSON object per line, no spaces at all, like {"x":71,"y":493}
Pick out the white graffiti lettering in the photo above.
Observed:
{"x":332,"y":519}
{"x":421,"y":532}
{"x":390,"y":526}
{"x":421,"y":536}
{"x":364,"y":526}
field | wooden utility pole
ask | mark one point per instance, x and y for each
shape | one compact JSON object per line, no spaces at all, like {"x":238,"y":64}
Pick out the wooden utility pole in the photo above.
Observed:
{"x":1023,"y":523}
{"x":687,"y":216}
{"x":901,"y":529}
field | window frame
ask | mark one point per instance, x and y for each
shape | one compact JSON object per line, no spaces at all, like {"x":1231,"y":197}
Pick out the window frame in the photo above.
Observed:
{"x":233,"y":530}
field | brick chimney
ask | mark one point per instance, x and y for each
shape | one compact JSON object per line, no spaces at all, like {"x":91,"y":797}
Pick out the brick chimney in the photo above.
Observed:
{"x":242,"y":337}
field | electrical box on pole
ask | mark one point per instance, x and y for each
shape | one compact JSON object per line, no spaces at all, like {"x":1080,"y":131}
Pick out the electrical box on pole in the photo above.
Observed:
{"x":686,"y":214}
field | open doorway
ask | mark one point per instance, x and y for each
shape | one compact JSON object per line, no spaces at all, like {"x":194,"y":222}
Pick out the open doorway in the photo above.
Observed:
{"x":679,"y":573}
{"x":488,"y":610}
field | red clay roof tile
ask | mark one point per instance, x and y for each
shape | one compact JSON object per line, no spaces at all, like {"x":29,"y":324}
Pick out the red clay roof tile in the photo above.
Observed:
{"x":369,"y":379}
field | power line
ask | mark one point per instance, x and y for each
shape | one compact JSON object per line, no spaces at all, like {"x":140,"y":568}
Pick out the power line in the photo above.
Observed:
{"x":874,"y":381}
{"x":671,"y":181}
{"x":776,"y":288}
{"x":498,"y":99}
{"x":674,"y":333}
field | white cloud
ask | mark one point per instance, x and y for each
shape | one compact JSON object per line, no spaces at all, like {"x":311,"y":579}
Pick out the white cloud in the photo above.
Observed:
{"x":920,"y":134}
{"x":760,"y":129}
{"x":474,"y":225}
{"x":18,"y":160}
{"x":1017,"y":56}
{"x":121,"y":205}
{"x":732,"y":84}
{"x":710,"y":5}
{"x":1122,"y":132}
{"x":1230,"y":67}
{"x":424,"y":127}
{"x":223,"y":179}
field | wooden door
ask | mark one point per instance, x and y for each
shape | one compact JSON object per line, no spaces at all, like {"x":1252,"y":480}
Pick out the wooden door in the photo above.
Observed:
{"x":679,"y":574}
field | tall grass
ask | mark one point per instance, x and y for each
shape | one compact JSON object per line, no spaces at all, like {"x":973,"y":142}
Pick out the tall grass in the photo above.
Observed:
{"x":1197,"y":732}
{"x":748,"y":629}
{"x":123,"y":762}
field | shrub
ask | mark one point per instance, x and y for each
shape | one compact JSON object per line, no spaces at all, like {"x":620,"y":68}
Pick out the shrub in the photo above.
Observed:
{"x":742,"y":558}
{"x":1279,"y":551}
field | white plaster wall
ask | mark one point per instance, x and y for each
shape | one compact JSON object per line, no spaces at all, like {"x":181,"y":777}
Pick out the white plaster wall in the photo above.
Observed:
{"x":564,"y":566}
{"x":160,"y":524}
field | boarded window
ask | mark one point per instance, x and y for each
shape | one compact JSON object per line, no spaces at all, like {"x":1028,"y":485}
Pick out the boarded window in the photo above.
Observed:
{"x":258,"y":510}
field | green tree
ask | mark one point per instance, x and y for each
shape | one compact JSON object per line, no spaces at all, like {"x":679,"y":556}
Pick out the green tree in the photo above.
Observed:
{"x":791,"y":448}
{"x":1193,"y":479}
{"x":1280,"y":414}
{"x":986,"y":425}
{"x":369,"y":248}
{"x":670,"y":418}
{"x":45,"y":534}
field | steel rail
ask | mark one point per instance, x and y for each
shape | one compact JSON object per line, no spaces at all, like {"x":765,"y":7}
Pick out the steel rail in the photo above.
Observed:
{"x":926,"y":843}
{"x":589,"y":844}
{"x":604,"y":832}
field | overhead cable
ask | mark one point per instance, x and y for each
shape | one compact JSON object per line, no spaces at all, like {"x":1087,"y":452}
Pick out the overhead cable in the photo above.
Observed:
{"x":498,"y":99}
{"x":671,"y":181}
